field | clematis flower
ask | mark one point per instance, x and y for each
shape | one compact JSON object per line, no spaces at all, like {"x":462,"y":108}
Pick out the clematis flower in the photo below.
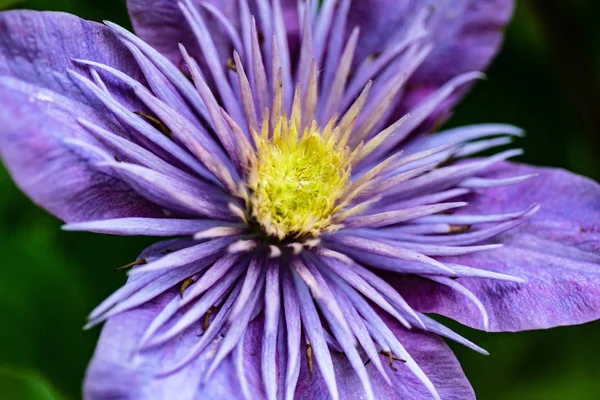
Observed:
{"x":285,"y":148}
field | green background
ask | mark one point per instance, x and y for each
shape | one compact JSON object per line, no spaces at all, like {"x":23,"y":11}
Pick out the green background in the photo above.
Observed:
{"x":545,"y":80}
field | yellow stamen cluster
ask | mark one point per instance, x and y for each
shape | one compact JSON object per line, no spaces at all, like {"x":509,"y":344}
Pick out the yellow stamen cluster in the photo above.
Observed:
{"x":297,"y":178}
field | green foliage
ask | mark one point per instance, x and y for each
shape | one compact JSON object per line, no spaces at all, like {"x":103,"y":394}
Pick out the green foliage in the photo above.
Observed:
{"x":24,"y":385}
{"x":8,"y":3}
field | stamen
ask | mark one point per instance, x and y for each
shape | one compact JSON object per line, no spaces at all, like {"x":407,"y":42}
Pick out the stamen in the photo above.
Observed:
{"x":391,"y":358}
{"x":185,"y":284}
{"x":141,"y":261}
{"x":297,"y":177}
{"x":207,"y":316}
{"x":156,"y":123}
{"x":459,"y":228}
{"x":309,"y":358}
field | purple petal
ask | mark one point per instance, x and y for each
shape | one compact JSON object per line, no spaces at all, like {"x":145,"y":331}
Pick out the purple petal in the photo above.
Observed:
{"x":191,"y":199}
{"x":162,"y":25}
{"x":38,"y":48}
{"x":556,"y":252}
{"x":465,"y":34}
{"x":114,"y":372}
{"x":314,"y":333}
{"x":429,"y":351}
{"x":40,"y":107}
{"x":271,"y":330}
{"x":146,"y":226}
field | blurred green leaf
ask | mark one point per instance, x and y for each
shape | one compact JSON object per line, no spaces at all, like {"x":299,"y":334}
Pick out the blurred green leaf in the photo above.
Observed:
{"x":51,"y":280}
{"x":8,"y":3}
{"x":25,"y":385}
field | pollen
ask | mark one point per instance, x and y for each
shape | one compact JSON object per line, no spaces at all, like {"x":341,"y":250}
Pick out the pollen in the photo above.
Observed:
{"x":297,"y":178}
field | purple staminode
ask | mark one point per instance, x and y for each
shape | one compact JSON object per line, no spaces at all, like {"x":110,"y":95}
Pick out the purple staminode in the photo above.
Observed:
{"x":117,"y":136}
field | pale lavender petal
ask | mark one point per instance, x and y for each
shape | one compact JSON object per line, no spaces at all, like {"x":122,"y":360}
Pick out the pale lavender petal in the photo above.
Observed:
{"x":344,"y":272}
{"x":37,"y":48}
{"x":207,"y":340}
{"x":556,"y":252}
{"x":465,"y":36}
{"x":198,"y":199}
{"x":395,"y":217}
{"x":429,"y":351}
{"x":272,"y":317}
{"x":129,"y":151}
{"x":152,"y":253}
{"x":357,"y":324}
{"x":315,"y":335}
{"x":381,"y":249}
{"x":184,"y":256}
{"x":143,"y":128}
{"x":320,"y":290}
{"x":195,"y":139}
{"x":239,"y":323}
{"x":145,"y":226}
{"x":160,"y":85}
{"x":461,"y":135}
{"x":211,"y":56}
{"x":175,"y":75}
{"x":471,"y":237}
{"x":387,"y":336}
{"x":258,"y":67}
{"x":117,"y":372}
{"x":40,"y":108}
{"x":162,"y":25}
{"x":293,"y":327}
{"x":212,"y":296}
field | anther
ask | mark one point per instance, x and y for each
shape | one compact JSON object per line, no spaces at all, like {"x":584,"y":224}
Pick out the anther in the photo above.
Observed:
{"x":156,"y":123}
{"x":185,"y":284}
{"x":141,"y":261}
{"x":231,"y":65}
{"x":459,"y":228}
{"x":309,"y":354}
{"x":374,"y":56}
{"x":391,"y":358}
{"x":206,"y":323}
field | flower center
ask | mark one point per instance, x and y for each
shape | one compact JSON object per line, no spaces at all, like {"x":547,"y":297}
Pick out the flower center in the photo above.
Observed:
{"x":296,"y":180}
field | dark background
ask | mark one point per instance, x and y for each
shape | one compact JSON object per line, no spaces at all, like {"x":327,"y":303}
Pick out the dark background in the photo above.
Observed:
{"x":546,"y":80}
